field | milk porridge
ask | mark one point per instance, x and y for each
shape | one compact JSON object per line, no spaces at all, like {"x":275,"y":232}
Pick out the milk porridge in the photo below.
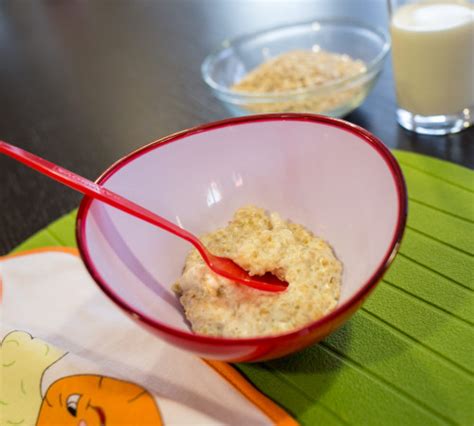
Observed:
{"x":260,"y":242}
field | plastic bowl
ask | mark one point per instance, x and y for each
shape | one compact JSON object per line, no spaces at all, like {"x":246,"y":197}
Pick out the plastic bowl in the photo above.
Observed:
{"x":329,"y":175}
{"x":235,"y":58}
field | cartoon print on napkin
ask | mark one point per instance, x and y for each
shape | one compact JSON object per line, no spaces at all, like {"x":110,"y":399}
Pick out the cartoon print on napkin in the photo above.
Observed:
{"x":89,"y":400}
{"x":24,"y":360}
{"x":82,"y":399}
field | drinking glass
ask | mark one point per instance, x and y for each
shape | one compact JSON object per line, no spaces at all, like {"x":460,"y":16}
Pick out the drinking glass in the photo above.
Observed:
{"x":433,"y":64}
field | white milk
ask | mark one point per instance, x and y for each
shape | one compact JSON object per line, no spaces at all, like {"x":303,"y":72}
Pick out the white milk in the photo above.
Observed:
{"x":433,"y":56}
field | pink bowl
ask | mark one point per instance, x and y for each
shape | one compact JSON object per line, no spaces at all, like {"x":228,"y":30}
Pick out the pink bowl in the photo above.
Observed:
{"x":329,"y":175}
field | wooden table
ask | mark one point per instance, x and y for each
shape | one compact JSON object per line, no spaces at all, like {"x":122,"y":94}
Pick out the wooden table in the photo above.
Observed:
{"x":83,"y":83}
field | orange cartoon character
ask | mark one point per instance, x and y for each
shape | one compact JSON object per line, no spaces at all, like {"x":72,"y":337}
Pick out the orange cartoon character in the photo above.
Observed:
{"x":90,"y":400}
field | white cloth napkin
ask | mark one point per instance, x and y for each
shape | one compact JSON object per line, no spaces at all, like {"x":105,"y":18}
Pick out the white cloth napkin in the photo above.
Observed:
{"x":63,"y":339}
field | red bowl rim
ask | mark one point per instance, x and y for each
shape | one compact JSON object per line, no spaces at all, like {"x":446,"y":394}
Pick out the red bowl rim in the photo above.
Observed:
{"x":365,"y":289}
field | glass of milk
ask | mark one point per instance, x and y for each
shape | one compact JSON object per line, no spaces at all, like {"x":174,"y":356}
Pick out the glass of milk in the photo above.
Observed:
{"x":433,"y":64}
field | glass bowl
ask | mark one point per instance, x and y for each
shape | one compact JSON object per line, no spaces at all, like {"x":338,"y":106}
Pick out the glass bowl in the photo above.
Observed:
{"x":235,"y":58}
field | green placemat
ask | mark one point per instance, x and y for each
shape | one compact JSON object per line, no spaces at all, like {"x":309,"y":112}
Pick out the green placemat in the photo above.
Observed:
{"x":406,"y":357}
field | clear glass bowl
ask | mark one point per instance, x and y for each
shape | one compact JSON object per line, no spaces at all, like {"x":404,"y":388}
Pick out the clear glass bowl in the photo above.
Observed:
{"x":235,"y":58}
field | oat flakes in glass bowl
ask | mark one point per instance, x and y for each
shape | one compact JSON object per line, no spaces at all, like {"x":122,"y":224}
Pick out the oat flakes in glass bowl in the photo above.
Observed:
{"x":326,"y":67}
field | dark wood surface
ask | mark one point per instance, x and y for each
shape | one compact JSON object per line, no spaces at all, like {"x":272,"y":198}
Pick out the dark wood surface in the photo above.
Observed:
{"x":84,"y":82}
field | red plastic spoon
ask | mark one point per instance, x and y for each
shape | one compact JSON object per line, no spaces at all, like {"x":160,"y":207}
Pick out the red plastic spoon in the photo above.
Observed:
{"x":220,"y":265}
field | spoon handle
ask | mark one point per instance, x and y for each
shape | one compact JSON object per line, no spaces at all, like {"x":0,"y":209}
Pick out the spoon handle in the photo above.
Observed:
{"x":219,"y":265}
{"x":97,"y":191}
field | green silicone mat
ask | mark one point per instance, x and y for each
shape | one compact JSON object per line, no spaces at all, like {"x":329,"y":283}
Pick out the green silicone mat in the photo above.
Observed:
{"x":406,"y":357}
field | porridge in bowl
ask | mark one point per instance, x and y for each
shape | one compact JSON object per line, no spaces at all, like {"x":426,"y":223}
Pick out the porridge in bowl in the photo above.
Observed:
{"x":260,"y":242}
